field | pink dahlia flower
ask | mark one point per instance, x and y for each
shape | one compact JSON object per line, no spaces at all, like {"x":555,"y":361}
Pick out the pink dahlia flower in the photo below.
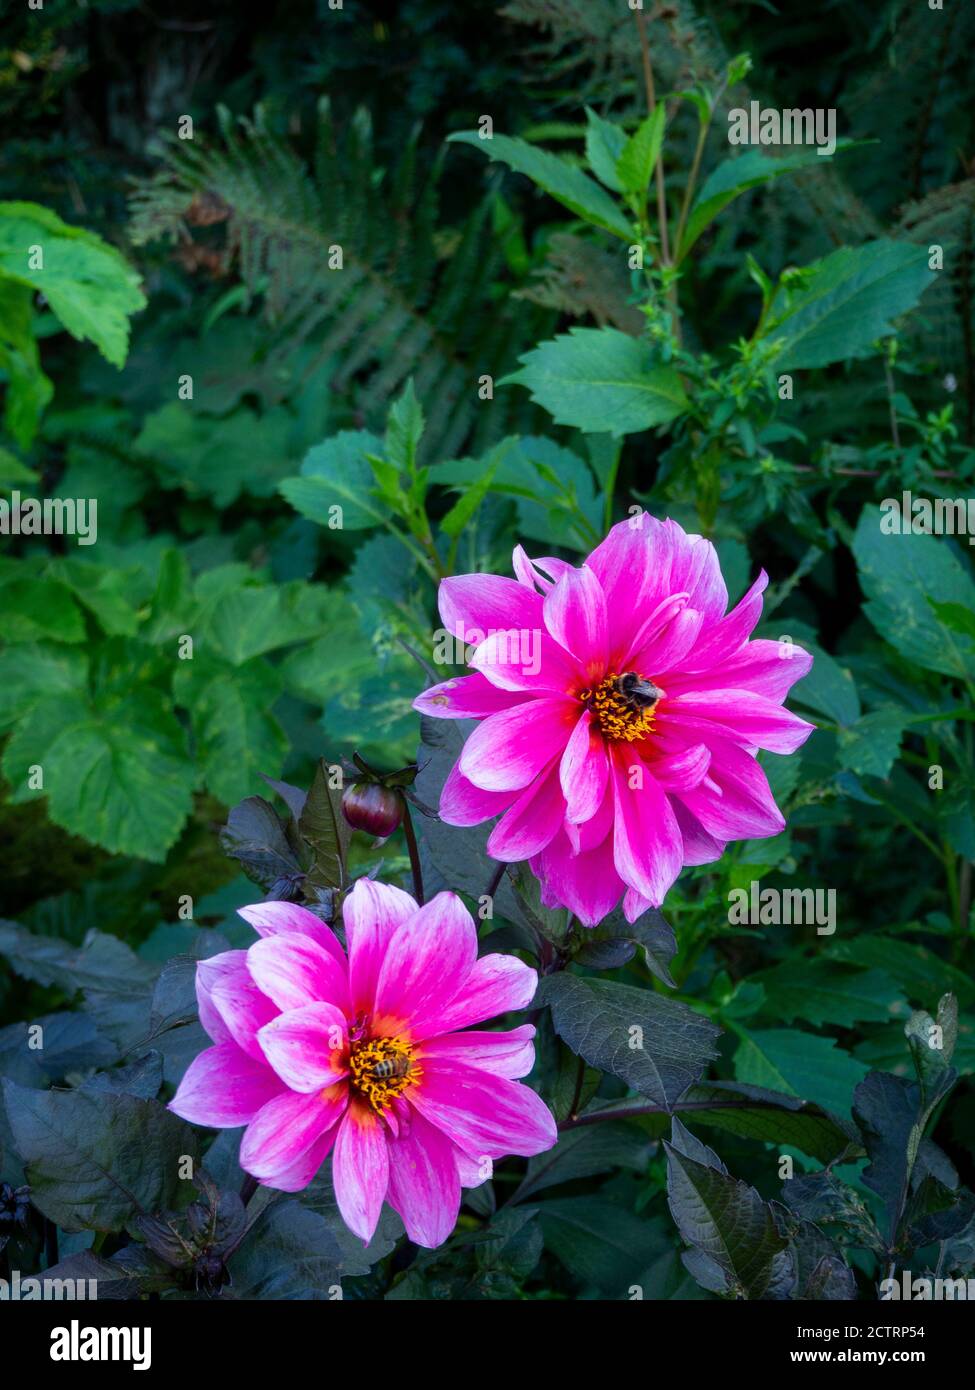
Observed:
{"x":621,"y":708}
{"x":360,"y":1056}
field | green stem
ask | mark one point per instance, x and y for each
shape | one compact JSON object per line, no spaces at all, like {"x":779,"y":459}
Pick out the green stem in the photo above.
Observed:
{"x":702,"y":136}
{"x":614,"y":469}
{"x":414,"y":853}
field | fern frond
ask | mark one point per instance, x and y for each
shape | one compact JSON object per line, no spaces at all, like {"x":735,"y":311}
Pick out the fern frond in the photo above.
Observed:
{"x":405,"y":302}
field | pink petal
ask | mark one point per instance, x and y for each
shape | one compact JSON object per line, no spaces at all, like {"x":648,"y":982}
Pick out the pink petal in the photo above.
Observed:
{"x":585,"y":882}
{"x":496,"y":985}
{"x":472,"y":604}
{"x":424,"y":1185}
{"x":207,"y":973}
{"x":767,"y":668}
{"x":510,"y":749}
{"x":270,"y":919}
{"x":647,"y":849}
{"x":591,"y":833}
{"x":730,"y":634}
{"x":297,"y":1177}
{"x":510,"y":1054}
{"x":285,"y":1128}
{"x":360,"y":1169}
{"x":680,"y":770}
{"x":668,"y":646}
{"x":484,"y":1114}
{"x":696,"y":569}
{"x":371,"y":914}
{"x":741,"y":714}
{"x":535,"y":574}
{"x":527,"y":659}
{"x":224,"y":1088}
{"x":233,"y":995}
{"x":294,"y":970}
{"x":584,"y":771}
{"x":575,"y":615}
{"x":306,"y":1046}
{"x":461,"y":803}
{"x":473,"y":1171}
{"x":699,"y":846}
{"x":533,"y":820}
{"x":734,"y":801}
{"x":466,"y":697}
{"x":632,"y":565}
{"x":427,"y":961}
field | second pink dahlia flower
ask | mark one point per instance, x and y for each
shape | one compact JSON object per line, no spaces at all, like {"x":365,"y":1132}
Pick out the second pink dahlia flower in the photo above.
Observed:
{"x":360,"y":1056}
{"x":621,"y":710}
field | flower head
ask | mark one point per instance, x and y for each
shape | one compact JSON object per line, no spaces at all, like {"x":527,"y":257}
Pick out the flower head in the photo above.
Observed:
{"x":359,"y":1055}
{"x":621,"y":709}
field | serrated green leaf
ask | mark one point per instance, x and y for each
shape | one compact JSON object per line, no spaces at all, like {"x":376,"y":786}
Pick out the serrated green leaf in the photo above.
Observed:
{"x":851,"y":298}
{"x":559,"y":179}
{"x":599,"y":379}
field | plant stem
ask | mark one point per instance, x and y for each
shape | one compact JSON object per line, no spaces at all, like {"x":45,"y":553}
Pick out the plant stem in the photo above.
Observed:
{"x":411,"y":845}
{"x":577,"y":1095}
{"x":641,"y":25}
{"x":626,"y":1112}
{"x":614,"y":468}
{"x":247,"y":1189}
{"x":648,"y":83}
{"x":50,"y":1242}
{"x":702,"y":136}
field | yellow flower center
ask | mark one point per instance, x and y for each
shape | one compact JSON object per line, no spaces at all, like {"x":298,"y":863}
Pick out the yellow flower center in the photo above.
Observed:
{"x":622,"y":706}
{"x":381,"y":1070}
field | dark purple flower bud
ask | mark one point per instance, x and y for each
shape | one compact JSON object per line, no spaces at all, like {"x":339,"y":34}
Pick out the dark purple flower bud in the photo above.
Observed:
{"x":371,"y":807}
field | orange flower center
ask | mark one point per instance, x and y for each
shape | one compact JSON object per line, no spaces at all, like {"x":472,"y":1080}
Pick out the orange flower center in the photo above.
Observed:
{"x":622,"y":706}
{"x":381,"y":1069}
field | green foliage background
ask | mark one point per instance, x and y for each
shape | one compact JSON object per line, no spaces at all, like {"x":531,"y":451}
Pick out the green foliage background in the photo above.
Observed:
{"x":313,"y":387}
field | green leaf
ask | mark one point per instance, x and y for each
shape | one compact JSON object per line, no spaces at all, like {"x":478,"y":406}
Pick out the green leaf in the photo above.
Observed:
{"x":601,"y":379}
{"x":829,"y":688}
{"x":604,"y":145}
{"x":237,"y":736}
{"x":735,"y":176}
{"x":289,"y":1253}
{"x":255,"y":835}
{"x":454,"y":856}
{"x":584,"y":1152}
{"x":774,"y":1118}
{"x":887,"y":1110}
{"x":103,"y":960}
{"x":325,"y":830}
{"x":656,"y":1045}
{"x":900,"y":575}
{"x":115,"y":770}
{"x":722,"y":1218}
{"x":110,"y":595}
{"x":800,"y":1064}
{"x":88,"y":285}
{"x":94,"y":1160}
{"x":600,"y":1242}
{"x":13,"y":473}
{"x":561,"y":180}
{"x":336,"y":484}
{"x":821,"y":991}
{"x":639,"y":156}
{"x":850,"y":299}
{"x":36,"y":609}
{"x":220,"y":457}
{"x":870,"y":746}
{"x":29,"y":671}
{"x":921,"y":974}
{"x":243,"y":620}
{"x":404,"y":430}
